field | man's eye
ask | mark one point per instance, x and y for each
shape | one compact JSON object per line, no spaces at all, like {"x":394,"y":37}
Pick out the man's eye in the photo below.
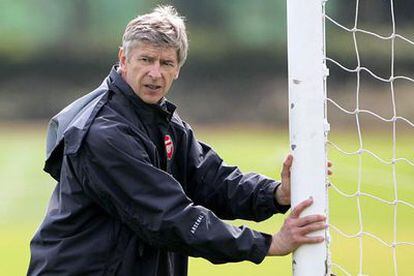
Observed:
{"x":144,"y":59}
{"x":169,"y":64}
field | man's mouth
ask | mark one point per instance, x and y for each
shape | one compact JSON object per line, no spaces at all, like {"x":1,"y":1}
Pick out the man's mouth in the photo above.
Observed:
{"x":152,"y":87}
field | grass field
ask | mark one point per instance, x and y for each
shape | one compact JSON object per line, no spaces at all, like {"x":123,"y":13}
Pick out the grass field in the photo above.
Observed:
{"x":25,"y":190}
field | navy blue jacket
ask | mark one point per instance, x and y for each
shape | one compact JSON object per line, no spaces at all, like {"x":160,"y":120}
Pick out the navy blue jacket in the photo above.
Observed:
{"x":137,"y":193}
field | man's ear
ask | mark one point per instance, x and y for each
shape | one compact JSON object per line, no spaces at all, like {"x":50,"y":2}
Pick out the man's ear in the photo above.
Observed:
{"x":177,"y":74}
{"x":122,"y":58}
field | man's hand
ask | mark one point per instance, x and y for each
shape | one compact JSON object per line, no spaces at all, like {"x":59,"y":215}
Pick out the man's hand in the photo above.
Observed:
{"x":295,"y":229}
{"x":283,"y":190}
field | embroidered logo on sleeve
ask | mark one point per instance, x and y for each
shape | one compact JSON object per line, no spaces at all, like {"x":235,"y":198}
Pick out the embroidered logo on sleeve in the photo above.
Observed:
{"x":197,"y":223}
{"x":169,"y":146}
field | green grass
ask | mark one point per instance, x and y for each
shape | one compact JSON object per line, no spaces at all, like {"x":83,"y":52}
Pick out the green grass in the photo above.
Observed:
{"x":24,"y":193}
{"x":25,"y":190}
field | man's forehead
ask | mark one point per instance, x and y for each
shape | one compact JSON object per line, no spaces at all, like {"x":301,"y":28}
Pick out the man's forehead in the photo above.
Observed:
{"x":145,"y":48}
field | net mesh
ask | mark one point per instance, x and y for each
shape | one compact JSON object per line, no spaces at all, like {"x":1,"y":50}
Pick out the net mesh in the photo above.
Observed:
{"x":364,"y":233}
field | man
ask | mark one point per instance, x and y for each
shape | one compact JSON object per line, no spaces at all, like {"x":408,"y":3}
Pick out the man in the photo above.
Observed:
{"x":137,"y":193}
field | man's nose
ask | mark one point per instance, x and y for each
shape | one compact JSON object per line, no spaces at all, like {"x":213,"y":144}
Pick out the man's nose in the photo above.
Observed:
{"x":155,"y":71}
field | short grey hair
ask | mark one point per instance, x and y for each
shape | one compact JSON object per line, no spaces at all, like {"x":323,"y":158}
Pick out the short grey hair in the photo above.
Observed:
{"x":162,"y":27}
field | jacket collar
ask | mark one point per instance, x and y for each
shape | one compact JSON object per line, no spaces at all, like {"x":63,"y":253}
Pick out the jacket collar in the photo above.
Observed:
{"x":68,"y":128}
{"x":149,"y":112}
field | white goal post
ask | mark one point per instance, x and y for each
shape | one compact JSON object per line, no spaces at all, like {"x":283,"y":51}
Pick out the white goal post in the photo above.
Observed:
{"x":307,"y":123}
{"x":386,"y":183}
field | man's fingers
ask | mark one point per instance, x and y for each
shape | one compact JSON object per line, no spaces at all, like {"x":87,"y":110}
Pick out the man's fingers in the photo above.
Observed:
{"x":287,"y":164}
{"x":317,"y":239}
{"x":301,"y":222}
{"x":313,"y":227}
{"x":304,"y":231}
{"x":288,"y":160}
{"x":300,"y":207}
{"x":329,"y":165}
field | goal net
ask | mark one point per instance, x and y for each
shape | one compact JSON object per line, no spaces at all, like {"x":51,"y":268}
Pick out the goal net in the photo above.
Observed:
{"x":369,"y":94}
{"x":368,"y":100}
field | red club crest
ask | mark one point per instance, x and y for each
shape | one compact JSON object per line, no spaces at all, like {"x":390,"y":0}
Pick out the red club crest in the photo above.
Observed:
{"x":169,"y":146}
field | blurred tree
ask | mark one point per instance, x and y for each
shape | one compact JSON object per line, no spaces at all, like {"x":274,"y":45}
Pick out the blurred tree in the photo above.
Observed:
{"x":203,"y":13}
{"x":256,"y":23}
{"x":48,"y":44}
{"x":376,"y":11}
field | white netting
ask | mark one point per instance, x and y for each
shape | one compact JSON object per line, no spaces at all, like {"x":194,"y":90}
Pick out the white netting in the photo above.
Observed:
{"x":361,"y":152}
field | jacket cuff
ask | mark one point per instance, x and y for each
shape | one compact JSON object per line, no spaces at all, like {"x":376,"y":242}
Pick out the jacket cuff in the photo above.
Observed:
{"x":261,"y":249}
{"x":268,"y":202}
{"x":279,"y":208}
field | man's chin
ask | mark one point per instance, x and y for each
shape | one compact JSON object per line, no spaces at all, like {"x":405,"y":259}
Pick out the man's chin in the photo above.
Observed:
{"x":151,"y":99}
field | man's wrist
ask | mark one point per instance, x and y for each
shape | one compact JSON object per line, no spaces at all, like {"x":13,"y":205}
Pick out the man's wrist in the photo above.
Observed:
{"x":281,"y":198}
{"x":281,"y":208}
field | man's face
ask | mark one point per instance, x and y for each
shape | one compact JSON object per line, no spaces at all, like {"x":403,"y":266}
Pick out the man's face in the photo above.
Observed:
{"x":150,"y":70}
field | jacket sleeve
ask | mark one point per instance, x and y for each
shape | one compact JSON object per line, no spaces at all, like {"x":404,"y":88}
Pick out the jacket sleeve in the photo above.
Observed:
{"x":225,"y":189}
{"x":117,"y":174}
